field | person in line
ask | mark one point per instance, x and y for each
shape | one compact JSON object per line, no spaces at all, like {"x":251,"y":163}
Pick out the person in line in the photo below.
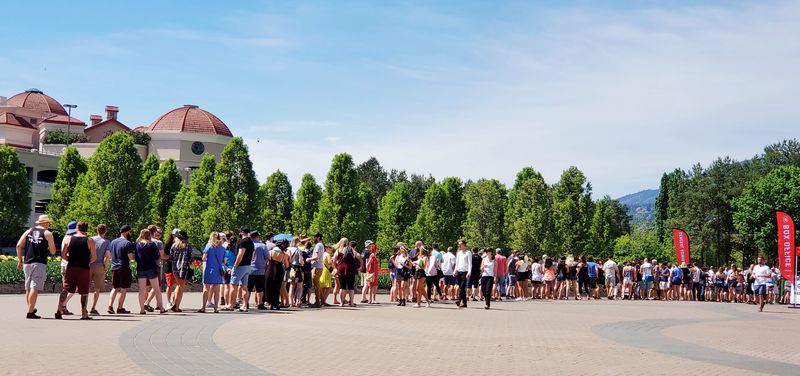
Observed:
{"x":362,"y":272}
{"x":155,"y":237}
{"x":403,"y":266}
{"x":122,"y":253}
{"x":439,"y":273}
{"x":583,"y":278}
{"x":537,"y":279}
{"x":347,"y":266}
{"x":462,"y":272}
{"x":423,"y":262}
{"x":448,"y":269}
{"x":213,"y":271}
{"x":663,"y":281}
{"x":316,"y":262}
{"x":326,"y":283}
{"x":511,"y":292}
{"x":72,"y":228}
{"x":181,"y":258}
{"x":337,"y":250}
{"x":646,"y":284}
{"x":257,"y":281}
{"x":627,"y":281}
{"x":296,"y":263}
{"x":32,"y":249}
{"x":676,"y":281}
{"x":571,"y":282}
{"x":308,"y":251}
{"x":523,"y":276}
{"x":229,"y":242}
{"x":549,"y":278}
{"x":475,"y":275}
{"x":431,"y":271}
{"x":276,"y":268}
{"x":97,"y":270}
{"x":284,"y":283}
{"x":79,"y":251}
{"x":241,"y":269}
{"x":593,"y":273}
{"x":147,"y":257}
{"x":610,"y":269}
{"x":501,"y":276}
{"x":762,"y":274}
{"x":488,"y":270}
{"x":561,"y":277}
{"x":373,"y":270}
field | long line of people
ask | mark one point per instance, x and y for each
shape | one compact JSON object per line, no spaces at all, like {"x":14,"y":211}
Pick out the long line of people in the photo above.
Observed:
{"x":284,"y":271}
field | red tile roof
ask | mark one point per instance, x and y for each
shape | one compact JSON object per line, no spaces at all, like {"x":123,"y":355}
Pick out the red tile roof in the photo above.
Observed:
{"x":190,"y":118}
{"x":11,"y":119}
{"x":107,"y":121}
{"x":36,"y":100}
{"x":62,"y":119}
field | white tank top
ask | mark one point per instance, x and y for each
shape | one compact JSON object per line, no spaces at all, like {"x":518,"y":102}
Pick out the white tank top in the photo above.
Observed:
{"x":536,"y":274}
{"x":488,"y":267}
{"x":430,"y":266}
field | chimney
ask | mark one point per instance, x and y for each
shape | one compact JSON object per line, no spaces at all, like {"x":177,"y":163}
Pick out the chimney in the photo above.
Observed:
{"x":111,"y":112}
{"x":3,"y":100}
{"x":95,"y":119}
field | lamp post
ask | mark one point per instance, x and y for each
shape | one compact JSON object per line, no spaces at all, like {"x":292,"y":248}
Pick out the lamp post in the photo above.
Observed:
{"x":69,"y":120}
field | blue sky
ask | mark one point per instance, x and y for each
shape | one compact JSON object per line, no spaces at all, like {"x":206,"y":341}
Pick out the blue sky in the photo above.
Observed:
{"x":470,"y":89}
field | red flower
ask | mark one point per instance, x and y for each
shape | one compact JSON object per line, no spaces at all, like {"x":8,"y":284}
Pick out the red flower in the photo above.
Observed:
{"x":196,"y":263}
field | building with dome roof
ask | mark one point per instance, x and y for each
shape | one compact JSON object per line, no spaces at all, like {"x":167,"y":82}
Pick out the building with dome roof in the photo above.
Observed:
{"x":184,"y":134}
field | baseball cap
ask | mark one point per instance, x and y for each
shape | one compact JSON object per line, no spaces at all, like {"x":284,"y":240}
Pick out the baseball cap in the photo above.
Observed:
{"x":368,"y":242}
{"x":72,"y":227}
{"x":244,"y":229}
{"x":124,"y":228}
{"x":254,"y":234}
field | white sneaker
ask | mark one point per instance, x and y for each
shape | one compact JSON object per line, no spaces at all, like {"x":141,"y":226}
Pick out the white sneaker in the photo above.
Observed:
{"x":518,"y":299}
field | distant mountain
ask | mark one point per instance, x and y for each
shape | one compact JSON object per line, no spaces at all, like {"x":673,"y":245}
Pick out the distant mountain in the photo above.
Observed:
{"x":641,"y":205}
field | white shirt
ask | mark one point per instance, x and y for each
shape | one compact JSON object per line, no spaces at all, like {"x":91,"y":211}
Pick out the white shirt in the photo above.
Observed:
{"x":488,"y":267}
{"x":464,"y":261}
{"x":647,"y":269}
{"x":448,"y":263}
{"x":399,"y":260}
{"x":762,"y":274}
{"x":536,"y":274}
{"x":430,"y":266}
{"x":522,"y":265}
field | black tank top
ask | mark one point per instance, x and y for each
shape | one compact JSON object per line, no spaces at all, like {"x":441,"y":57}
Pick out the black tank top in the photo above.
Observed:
{"x":37,"y":246}
{"x":79,"y":255}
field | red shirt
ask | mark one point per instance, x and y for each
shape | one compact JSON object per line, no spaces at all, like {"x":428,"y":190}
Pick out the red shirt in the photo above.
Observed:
{"x":501,"y":265}
{"x":373,"y":266}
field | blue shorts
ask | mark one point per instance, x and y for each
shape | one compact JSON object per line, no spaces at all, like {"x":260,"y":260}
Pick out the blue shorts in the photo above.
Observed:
{"x":500,"y":280}
{"x":240,"y":275}
{"x":450,"y":280}
{"x":760,"y":289}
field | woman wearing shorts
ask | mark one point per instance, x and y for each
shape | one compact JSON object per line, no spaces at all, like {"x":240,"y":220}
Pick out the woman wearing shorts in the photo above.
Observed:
{"x":549,"y":278}
{"x":537,"y":277}
{"x":676,"y":281}
{"x":663,"y":281}
{"x":213,"y":271}
{"x":583,"y":278}
{"x":295,"y":273}
{"x":561,"y":276}
{"x":571,"y":282}
{"x":181,"y":257}
{"x":403,"y":266}
{"x":423,"y":258}
{"x":523,"y":275}
{"x":147,"y":256}
{"x":627,"y":281}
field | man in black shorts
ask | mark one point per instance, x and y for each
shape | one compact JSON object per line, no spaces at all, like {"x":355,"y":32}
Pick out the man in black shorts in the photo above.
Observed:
{"x":122,"y":253}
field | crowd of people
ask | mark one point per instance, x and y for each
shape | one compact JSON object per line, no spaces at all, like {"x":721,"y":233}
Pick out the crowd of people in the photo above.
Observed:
{"x":277,"y":272}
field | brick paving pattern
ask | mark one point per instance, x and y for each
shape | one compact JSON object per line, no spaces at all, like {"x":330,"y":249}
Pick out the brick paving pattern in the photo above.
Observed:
{"x":514,"y":338}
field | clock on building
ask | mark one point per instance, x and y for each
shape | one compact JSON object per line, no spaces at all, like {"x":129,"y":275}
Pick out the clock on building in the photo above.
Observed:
{"x":198,"y":148}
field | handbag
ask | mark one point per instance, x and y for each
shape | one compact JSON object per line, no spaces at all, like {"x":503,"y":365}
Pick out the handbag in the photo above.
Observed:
{"x":370,"y":277}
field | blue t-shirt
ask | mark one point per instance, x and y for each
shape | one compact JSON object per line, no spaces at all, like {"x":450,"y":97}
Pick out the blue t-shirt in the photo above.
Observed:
{"x":230,"y":258}
{"x":259,"y":258}
{"x":214,"y":255}
{"x":592,"y":269}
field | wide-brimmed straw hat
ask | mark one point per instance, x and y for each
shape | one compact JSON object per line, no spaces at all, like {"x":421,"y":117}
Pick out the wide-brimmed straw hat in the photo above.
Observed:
{"x":44,"y":218}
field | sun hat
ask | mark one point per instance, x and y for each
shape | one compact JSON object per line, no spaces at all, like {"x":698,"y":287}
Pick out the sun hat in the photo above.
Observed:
{"x":44,"y":218}
{"x":72,"y":227}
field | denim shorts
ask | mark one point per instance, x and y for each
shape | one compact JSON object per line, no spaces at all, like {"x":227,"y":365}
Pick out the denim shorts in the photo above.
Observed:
{"x":240,"y":275}
{"x":760,"y":289}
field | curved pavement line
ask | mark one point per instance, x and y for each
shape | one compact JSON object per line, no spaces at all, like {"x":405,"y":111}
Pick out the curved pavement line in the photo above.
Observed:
{"x":183,"y":346}
{"x":647,"y":334}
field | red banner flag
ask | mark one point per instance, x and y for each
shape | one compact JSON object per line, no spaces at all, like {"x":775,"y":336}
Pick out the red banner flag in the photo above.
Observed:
{"x":786,"y":247}
{"x":681,"y":241}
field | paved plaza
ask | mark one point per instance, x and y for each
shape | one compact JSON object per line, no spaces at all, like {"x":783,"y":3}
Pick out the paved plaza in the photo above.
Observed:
{"x":514,"y":338}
